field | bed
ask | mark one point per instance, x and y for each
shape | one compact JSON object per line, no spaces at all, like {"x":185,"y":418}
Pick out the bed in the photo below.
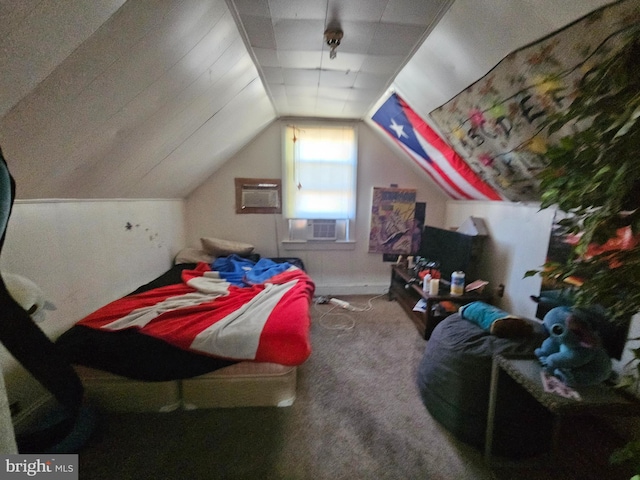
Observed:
{"x":226,"y":333}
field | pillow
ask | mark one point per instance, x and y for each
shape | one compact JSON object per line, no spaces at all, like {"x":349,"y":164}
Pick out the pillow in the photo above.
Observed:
{"x":192,"y":255}
{"x":222,"y":248}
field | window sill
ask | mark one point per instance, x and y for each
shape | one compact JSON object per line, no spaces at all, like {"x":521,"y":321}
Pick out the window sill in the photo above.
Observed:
{"x":318,"y":245}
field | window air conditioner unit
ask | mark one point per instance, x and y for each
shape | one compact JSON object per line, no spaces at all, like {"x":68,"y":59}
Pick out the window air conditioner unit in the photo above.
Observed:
{"x":260,"y":198}
{"x":321,"y":230}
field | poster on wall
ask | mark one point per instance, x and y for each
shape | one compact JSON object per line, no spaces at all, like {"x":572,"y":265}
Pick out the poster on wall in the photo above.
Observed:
{"x":393,"y":220}
{"x":418,"y":222}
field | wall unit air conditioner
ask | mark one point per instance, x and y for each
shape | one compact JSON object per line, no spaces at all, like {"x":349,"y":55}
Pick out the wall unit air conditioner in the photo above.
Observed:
{"x":260,"y":198}
{"x":258,"y":195}
{"x":321,"y":230}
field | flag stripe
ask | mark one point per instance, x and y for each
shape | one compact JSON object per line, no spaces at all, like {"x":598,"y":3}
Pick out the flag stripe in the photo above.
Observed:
{"x":431,"y":153}
{"x":432,"y":171}
{"x":455,"y":165}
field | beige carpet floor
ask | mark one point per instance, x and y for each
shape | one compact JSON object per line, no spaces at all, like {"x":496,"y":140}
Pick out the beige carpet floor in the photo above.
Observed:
{"x":358,"y":415}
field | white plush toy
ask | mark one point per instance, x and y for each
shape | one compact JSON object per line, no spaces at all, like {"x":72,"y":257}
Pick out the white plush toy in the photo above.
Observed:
{"x":28,"y":295}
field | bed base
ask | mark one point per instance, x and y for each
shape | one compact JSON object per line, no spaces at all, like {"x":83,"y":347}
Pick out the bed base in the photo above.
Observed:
{"x":245,"y":384}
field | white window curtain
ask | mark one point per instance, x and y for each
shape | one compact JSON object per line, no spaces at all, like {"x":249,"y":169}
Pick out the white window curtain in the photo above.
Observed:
{"x":320,"y":171}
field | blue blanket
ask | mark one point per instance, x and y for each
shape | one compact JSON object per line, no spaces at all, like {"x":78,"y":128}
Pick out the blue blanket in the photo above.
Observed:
{"x":242,"y":271}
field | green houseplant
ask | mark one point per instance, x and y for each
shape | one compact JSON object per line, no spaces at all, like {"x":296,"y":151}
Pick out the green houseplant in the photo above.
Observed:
{"x":593,"y":175}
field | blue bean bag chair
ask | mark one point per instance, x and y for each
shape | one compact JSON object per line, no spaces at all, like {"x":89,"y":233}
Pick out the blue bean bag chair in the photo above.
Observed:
{"x":453,"y":378}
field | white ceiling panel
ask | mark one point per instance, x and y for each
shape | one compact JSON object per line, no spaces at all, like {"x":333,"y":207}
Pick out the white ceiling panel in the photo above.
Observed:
{"x":300,"y":59}
{"x":300,"y":77}
{"x":302,"y":93}
{"x":417,"y":13}
{"x":357,"y":10}
{"x":298,"y":34}
{"x":379,"y":36}
{"x":359,"y":37}
{"x":300,"y":9}
{"x":368,"y":81}
{"x":342,"y":94}
{"x":337,"y":79}
{"x":345,"y":62}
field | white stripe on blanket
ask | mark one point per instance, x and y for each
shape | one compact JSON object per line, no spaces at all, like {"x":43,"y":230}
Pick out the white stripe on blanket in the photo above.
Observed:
{"x":210,"y":284}
{"x":208,"y":290}
{"x":238,"y":334}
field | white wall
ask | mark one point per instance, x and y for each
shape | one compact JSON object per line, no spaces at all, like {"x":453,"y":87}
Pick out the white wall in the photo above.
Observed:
{"x":82,"y":255}
{"x":518,"y":241}
{"x":211,"y":211}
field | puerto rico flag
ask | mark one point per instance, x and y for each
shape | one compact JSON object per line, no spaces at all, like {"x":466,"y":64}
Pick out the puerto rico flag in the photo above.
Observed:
{"x":265,"y":322}
{"x":431,"y":153}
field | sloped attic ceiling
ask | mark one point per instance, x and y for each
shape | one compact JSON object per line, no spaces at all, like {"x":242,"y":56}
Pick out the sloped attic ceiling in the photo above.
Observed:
{"x":145,"y":104}
{"x":147,"y":98}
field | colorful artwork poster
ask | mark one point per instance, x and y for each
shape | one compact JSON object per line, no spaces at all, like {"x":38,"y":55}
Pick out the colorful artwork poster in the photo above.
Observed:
{"x":393,"y":213}
{"x":497,"y":124}
{"x":418,"y":222}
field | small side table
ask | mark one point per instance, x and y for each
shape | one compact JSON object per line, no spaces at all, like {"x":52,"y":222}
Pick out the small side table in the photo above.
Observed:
{"x":525,"y":370}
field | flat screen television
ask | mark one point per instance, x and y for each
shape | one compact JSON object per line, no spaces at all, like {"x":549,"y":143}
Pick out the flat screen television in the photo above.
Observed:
{"x":453,"y":250}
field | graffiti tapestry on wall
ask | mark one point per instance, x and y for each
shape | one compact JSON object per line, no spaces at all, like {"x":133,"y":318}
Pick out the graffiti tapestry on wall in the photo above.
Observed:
{"x":496,"y":124}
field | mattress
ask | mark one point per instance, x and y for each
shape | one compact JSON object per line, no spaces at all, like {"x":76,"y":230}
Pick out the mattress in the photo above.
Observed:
{"x":114,"y":393}
{"x":208,"y":320}
{"x":129,"y":371}
{"x":243,"y":384}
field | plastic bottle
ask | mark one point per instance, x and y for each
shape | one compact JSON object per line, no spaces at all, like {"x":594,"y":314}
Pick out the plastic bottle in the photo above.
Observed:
{"x":457,"y":283}
{"x":425,"y":282}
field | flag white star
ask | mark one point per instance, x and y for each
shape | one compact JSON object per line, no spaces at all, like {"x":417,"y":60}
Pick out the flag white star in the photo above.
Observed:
{"x":399,"y":129}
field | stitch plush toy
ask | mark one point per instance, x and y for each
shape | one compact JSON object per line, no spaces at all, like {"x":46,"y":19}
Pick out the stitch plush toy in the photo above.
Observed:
{"x":572,"y":352}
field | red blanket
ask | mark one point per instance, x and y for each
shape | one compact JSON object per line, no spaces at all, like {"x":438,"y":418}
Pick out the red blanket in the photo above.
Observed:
{"x":268,"y":322}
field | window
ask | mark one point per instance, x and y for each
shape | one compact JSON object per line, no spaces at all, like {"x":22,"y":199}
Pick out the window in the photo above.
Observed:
{"x":320,"y":164}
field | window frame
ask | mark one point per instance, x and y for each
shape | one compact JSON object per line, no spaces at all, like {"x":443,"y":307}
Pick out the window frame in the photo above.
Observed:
{"x":289,"y":165}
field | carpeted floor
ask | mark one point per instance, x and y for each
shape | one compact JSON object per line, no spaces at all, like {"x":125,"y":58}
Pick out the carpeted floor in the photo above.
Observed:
{"x":358,"y":415}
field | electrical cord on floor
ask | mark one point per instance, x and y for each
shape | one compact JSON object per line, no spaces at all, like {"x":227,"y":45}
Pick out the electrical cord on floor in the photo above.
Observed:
{"x":341,"y":305}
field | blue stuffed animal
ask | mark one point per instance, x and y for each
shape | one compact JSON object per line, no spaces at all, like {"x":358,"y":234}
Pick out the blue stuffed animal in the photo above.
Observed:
{"x":572,"y":352}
